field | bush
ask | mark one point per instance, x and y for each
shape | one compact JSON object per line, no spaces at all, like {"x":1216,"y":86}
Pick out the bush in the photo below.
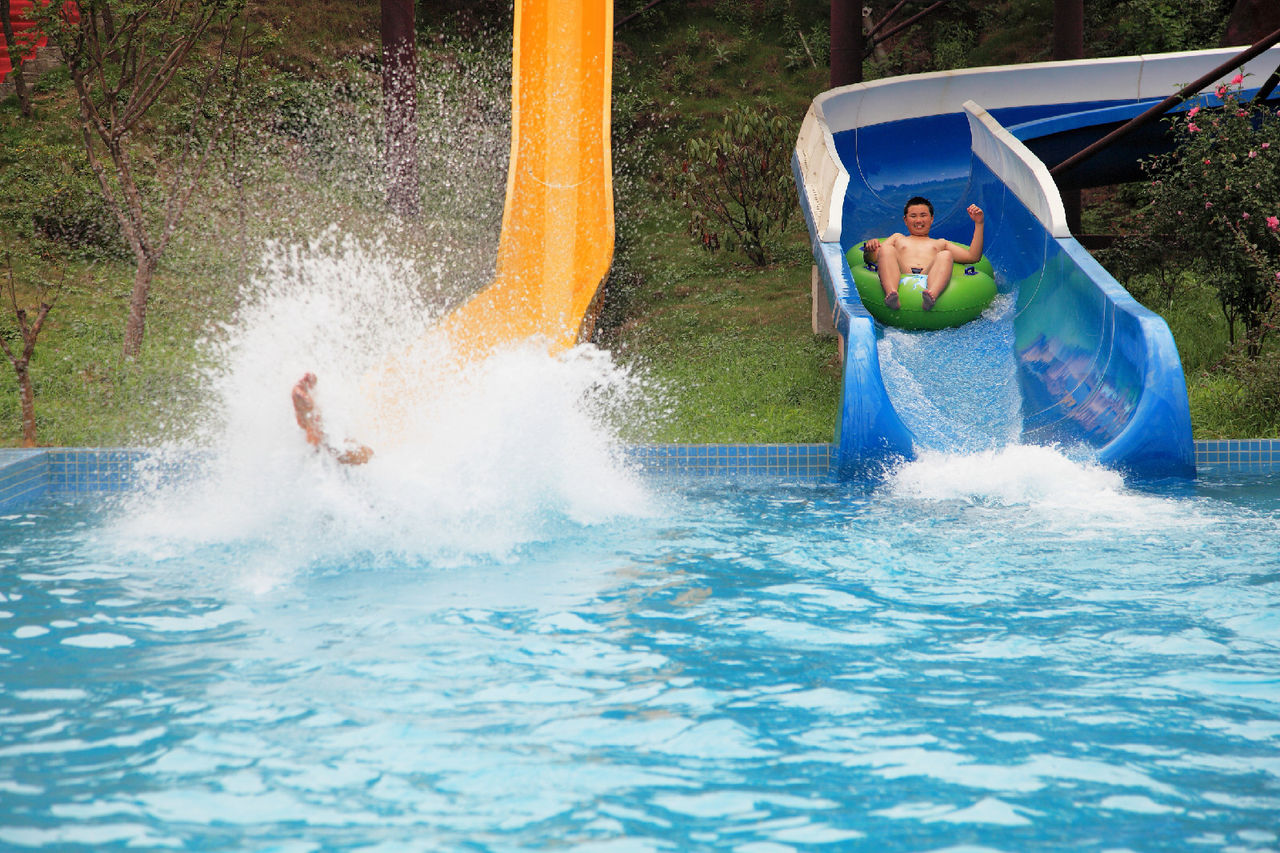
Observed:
{"x":49,"y":193}
{"x":1212,"y":206}
{"x":1154,"y":26}
{"x":1224,"y":406}
{"x":736,"y":182}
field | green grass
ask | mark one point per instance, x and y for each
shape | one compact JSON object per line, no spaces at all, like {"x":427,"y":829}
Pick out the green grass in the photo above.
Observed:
{"x":732,"y":346}
{"x":1220,"y":408}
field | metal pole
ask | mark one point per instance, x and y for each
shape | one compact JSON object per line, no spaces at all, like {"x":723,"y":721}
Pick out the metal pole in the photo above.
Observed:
{"x":1068,"y":43}
{"x":888,"y":15}
{"x":1269,"y":86}
{"x":909,"y":21}
{"x":1161,"y":108}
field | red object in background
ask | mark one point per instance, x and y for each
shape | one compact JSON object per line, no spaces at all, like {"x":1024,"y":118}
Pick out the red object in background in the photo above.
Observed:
{"x":26,"y":36}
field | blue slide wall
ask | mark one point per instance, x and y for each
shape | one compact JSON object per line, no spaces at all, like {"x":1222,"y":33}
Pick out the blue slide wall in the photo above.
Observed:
{"x":1094,"y":367}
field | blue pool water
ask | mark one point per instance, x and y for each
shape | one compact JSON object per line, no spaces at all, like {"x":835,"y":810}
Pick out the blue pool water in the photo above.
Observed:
{"x":1002,"y":651}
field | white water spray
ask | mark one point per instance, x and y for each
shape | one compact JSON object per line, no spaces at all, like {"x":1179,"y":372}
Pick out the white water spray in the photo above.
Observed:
{"x":521,"y":449}
{"x":956,"y":389}
{"x":1037,"y":487}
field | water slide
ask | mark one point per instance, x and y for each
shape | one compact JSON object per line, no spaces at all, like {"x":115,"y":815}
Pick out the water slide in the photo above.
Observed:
{"x":27,"y":37}
{"x":557,"y":235}
{"x":1093,"y":368}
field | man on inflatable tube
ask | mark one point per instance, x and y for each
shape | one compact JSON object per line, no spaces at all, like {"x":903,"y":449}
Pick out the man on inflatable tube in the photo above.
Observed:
{"x":921,"y":254}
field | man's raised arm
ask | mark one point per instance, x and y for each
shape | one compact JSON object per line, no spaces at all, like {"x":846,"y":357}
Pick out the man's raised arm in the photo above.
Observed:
{"x":974,"y":253}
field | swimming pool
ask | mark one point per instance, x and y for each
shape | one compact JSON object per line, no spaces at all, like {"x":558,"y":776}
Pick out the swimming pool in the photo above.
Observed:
{"x":1006,"y":650}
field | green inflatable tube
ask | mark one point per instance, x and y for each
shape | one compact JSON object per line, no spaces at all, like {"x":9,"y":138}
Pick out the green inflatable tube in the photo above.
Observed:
{"x":970,"y":291}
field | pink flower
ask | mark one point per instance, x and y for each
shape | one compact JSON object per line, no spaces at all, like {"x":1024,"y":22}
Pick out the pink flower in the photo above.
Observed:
{"x":1192,"y":127}
{"x":1237,"y":80}
{"x":1221,"y":91}
{"x":1266,"y":145}
{"x":1208,"y":204}
{"x":1207,"y":161}
{"x":1244,"y":215}
{"x":1241,"y":114}
{"x":1273,"y":222}
{"x":1253,"y":154}
{"x":1278,"y":276}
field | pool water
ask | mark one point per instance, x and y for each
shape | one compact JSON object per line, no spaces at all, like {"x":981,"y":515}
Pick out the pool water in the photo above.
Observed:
{"x":1007,"y":650}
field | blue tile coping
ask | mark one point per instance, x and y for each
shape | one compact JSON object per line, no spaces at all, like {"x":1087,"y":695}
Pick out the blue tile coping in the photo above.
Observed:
{"x":27,"y":476}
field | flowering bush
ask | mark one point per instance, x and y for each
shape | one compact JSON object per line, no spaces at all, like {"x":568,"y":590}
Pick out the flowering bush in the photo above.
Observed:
{"x":1212,"y":206}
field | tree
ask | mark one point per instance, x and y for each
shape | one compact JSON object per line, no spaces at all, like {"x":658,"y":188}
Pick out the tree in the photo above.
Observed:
{"x":15,"y":53}
{"x":736,"y":182}
{"x":29,"y":331}
{"x":132,"y":59}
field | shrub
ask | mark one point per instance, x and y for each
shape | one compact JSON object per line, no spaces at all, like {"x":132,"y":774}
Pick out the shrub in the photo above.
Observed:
{"x":50,"y":193}
{"x":736,"y":182}
{"x":1212,"y":206}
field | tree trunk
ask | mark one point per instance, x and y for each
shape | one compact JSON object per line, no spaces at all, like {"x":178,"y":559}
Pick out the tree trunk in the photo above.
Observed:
{"x":400,"y":105}
{"x":28,"y":407}
{"x":846,"y":42}
{"x":15,"y":60}
{"x":135,"y":328}
{"x":1251,"y":20}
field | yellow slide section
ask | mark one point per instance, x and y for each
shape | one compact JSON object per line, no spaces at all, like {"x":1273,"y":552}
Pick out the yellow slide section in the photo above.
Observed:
{"x":557,"y":227}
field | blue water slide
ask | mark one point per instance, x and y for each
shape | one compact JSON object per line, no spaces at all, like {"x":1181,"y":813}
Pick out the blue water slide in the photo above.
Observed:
{"x":1094,"y":368}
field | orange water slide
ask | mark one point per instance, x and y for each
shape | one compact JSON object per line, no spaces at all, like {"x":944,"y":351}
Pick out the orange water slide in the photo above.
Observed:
{"x":557,"y":226}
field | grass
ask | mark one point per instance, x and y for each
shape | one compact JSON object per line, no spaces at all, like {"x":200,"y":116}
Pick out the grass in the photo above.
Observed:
{"x":731,"y":344}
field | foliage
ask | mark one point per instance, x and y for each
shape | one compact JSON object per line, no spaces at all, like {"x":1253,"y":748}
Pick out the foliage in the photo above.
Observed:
{"x":807,"y":46}
{"x":1213,"y":207}
{"x":50,"y":195}
{"x":951,"y":48}
{"x":1154,"y":26}
{"x":139,"y":66}
{"x":736,"y":182}
{"x":1235,"y":404}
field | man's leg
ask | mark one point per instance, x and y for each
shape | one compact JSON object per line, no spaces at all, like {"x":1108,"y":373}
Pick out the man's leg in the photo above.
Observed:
{"x":308,"y":416}
{"x":890,"y":272}
{"x":304,"y":409}
{"x":939,"y":277}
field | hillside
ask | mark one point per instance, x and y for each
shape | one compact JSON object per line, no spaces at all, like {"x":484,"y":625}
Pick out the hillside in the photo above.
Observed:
{"x":728,"y":342}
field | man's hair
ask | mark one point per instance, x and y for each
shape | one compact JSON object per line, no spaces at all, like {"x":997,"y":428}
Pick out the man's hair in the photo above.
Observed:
{"x":912,"y":202}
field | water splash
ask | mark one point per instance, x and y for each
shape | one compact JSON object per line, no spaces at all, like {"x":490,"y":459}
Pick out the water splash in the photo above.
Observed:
{"x":1032,"y":486}
{"x":517,"y":449}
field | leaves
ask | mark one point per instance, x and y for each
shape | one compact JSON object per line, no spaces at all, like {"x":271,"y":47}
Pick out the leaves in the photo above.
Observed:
{"x":1212,"y":202}
{"x":736,"y":182}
